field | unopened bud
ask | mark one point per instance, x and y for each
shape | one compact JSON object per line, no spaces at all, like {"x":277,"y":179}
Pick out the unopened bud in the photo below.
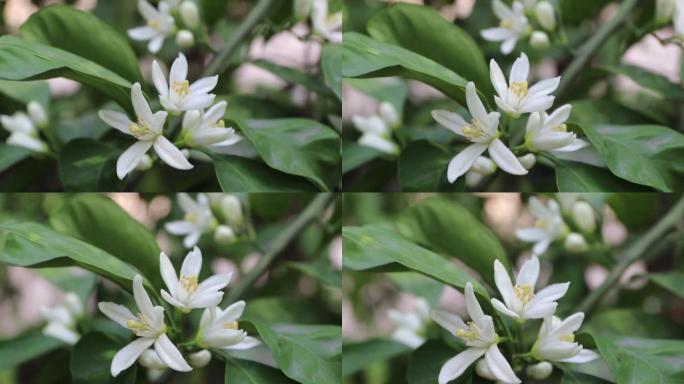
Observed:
{"x":37,"y":113}
{"x":150,"y":359}
{"x":584,"y":216}
{"x":144,"y":164}
{"x":224,"y":235}
{"x":73,"y":303}
{"x":200,"y":359}
{"x":540,"y":371}
{"x":232,"y":210}
{"x":546,"y":15}
{"x":484,"y":166}
{"x":389,"y":114}
{"x":189,"y":14}
{"x":483,"y":371}
{"x":575,"y":243}
{"x":528,"y":161}
{"x":539,"y":40}
{"x":185,"y":39}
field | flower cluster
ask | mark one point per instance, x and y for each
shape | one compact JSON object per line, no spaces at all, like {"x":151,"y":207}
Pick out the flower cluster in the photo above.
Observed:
{"x":671,"y":11}
{"x":544,"y":132}
{"x":376,"y":130}
{"x":61,"y":319}
{"x":325,"y":25}
{"x":411,"y":325}
{"x":161,"y":23}
{"x":24,"y":128}
{"x":200,"y":129}
{"x":555,"y":340}
{"x":218,"y":328}
{"x":515,"y":25}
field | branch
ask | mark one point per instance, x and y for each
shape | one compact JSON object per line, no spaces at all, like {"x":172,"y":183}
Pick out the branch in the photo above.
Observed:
{"x":637,"y":250}
{"x":310,"y":214}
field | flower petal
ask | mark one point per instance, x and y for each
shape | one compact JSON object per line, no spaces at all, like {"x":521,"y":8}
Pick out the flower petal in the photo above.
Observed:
{"x":247,"y":343}
{"x":505,"y":159}
{"x":170,"y":355}
{"x":116,"y":312}
{"x":545,"y":87}
{"x":529,"y":272}
{"x":520,"y":70}
{"x":541,"y":246}
{"x":192,"y":239}
{"x":539,"y":310}
{"x":129,"y":354}
{"x":205,"y":299}
{"x":551,"y":293}
{"x":475,"y":106}
{"x":215,"y":282}
{"x":130,"y":158}
{"x":204,"y":85}
{"x":155,"y":44}
{"x":584,"y":356}
{"x":142,"y":33}
{"x":462,"y":162}
{"x":180,"y":227}
{"x":455,"y":366}
{"x":170,"y":154}
{"x":168,"y":272}
{"x":179,"y":69}
{"x":499,"y":366}
{"x":531,"y":235}
{"x":503,"y":283}
{"x":142,"y":299}
{"x":216,"y":112}
{"x":172,"y":300}
{"x":495,"y":34}
{"x":472,"y":305}
{"x":116,"y":120}
{"x":450,"y":120}
{"x":192,"y":265}
{"x":232,"y":312}
{"x":140,"y":105}
{"x":497,"y":78}
{"x":508,"y":45}
{"x":501,"y":307}
{"x":159,"y":80}
{"x":197,"y":101}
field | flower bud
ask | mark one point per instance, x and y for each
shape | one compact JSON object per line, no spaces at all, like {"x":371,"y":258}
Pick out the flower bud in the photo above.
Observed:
{"x":483,"y":371}
{"x":540,"y":371}
{"x":232,"y":210}
{"x":539,"y":40}
{"x":389,"y":114}
{"x":224,"y":235}
{"x":200,"y":359}
{"x":302,"y":8}
{"x":575,"y":243}
{"x":73,"y":303}
{"x":185,"y":39}
{"x":189,"y":14}
{"x":484,"y":166}
{"x":546,"y":16}
{"x":528,"y":161}
{"x":584,"y":216}
{"x":37,"y":113}
{"x":150,"y":359}
{"x":144,"y":164}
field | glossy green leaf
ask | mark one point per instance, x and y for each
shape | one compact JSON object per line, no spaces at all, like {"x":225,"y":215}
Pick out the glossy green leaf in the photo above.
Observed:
{"x":372,"y":246}
{"x":571,"y":377}
{"x":355,"y":155}
{"x":238,"y":174}
{"x":425,"y":31}
{"x":633,"y":322}
{"x":426,"y":362}
{"x":572,"y":176}
{"x":298,"y":147}
{"x":642,"y":154}
{"x":422,"y":167}
{"x":25,"y":347}
{"x":295,"y":76}
{"x":366,"y":57}
{"x":87,"y":165}
{"x":83,"y":34}
{"x":248,"y":372}
{"x":36,"y":246}
{"x":649,"y":80}
{"x":91,"y":360}
{"x":99,"y":221}
{"x":331,"y":66}
{"x":357,"y":356}
{"x":26,"y":91}
{"x":447,"y":227}
{"x":605,"y":111}
{"x":86,"y":126}
{"x":673,"y":282}
{"x":11,"y":155}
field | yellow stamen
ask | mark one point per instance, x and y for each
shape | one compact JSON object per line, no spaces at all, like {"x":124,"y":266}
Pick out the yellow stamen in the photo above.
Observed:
{"x":140,"y":324}
{"x":542,"y":224}
{"x":220,"y":124}
{"x":189,"y":283}
{"x":524,"y":292}
{"x":507,"y":24}
{"x":231,"y":325}
{"x":474,"y":130}
{"x":180,"y":87}
{"x":471,"y":334}
{"x":153,"y":23}
{"x":568,"y":338}
{"x":519,"y":88}
{"x":192,"y":217}
{"x":560,"y":128}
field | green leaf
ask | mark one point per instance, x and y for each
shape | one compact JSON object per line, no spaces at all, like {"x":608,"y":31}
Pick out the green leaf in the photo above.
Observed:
{"x":355,"y":155}
{"x":37,"y":246}
{"x":422,"y":166}
{"x":365,"y":57}
{"x":331,"y":66}
{"x":360,"y":355}
{"x":27,"y":91}
{"x":238,"y":174}
{"x":637,"y":211}
{"x":295,"y":76}
{"x":11,"y":155}
{"x":425,"y":31}
{"x":25,"y":347}
{"x":578,"y":177}
{"x":576,"y":11}
{"x":82,"y":284}
{"x":633,"y":322}
{"x":321,"y":269}
{"x":99,"y":221}
{"x":87,"y":165}
{"x":642,"y":154}
{"x":307,"y":354}
{"x":649,"y":80}
{"x":86,"y":126}
{"x":298,"y":147}
{"x":570,"y":377}
{"x":248,"y":372}
{"x":585,"y":112}
{"x":673,"y":282}
{"x":392,"y":90}
{"x":83,"y":34}
{"x":24,"y":60}
{"x":426,"y":362}
{"x":447,"y":227}
{"x":91,"y":360}
{"x":372,"y":246}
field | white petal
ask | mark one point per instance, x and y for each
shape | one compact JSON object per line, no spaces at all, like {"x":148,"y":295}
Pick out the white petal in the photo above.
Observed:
{"x":450,"y":120}
{"x":539,"y":310}
{"x":247,"y":343}
{"x":155,"y":44}
{"x":508,"y":45}
{"x":505,"y":159}
{"x":204,"y":85}
{"x":541,"y":246}
{"x":205,"y":299}
{"x":170,"y":355}
{"x":472,"y":305}
{"x":584,"y":356}
{"x":209,"y":136}
{"x":147,"y":10}
{"x":140,"y":105}
{"x":475,"y":106}
{"x":449,"y":321}
{"x":129,"y":354}
{"x":569,"y":325}
{"x":520,"y":70}
{"x":531,"y":235}
{"x":462,"y":162}
{"x":223,"y":338}
{"x":197,"y":101}
{"x":231,"y":313}
{"x":503,"y":283}
{"x":552,"y":292}
{"x":130,"y":158}
{"x":170,"y":154}
{"x":455,"y":366}
{"x":179,"y":227}
{"x":501,"y":307}
{"x":545,"y":87}
{"x":380,"y":143}
{"x":179,"y":69}
{"x":116,"y":120}
{"x":536,"y":104}
{"x":142,"y":33}
{"x":214,"y":283}
{"x":495,"y":34}
{"x":21,"y":139}
{"x":159,"y":80}
{"x":116,"y":312}
{"x":499,"y":366}
{"x":216,"y":112}
{"x":529,"y":272}
{"x":62,"y":333}
{"x":192,"y":239}
{"x":142,"y":300}
{"x":168,"y":272}
{"x":501,"y":10}
{"x":559,"y":116}
{"x":192,"y":264}
{"x":576,"y":145}
{"x":497,"y":78}
{"x":187,"y":203}
{"x":172,"y":300}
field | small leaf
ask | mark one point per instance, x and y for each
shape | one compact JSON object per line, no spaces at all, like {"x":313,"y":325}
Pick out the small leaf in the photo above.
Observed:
{"x":673,"y":282}
{"x":577,"y":177}
{"x":357,"y":356}
{"x":88,"y":165}
{"x":238,"y":174}
{"x":91,"y":360}
{"x":331,"y":65}
{"x":295,"y":76}
{"x":423,"y":167}
{"x":248,"y":372}
{"x":355,"y":155}
{"x":649,"y":80}
{"x":11,"y":155}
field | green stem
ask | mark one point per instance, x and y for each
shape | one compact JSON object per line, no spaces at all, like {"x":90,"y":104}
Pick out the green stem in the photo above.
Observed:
{"x":310,"y":214}
{"x":586,"y":51}
{"x":637,"y":250}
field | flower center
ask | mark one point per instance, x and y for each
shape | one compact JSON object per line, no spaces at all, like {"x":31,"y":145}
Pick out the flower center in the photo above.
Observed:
{"x":231,"y":325}
{"x":542,"y":224}
{"x":567,"y":338}
{"x":472,"y":333}
{"x":474,"y":130}
{"x":519,"y":88}
{"x":191,"y":217}
{"x":139,"y":129}
{"x":180,"y":87}
{"x":507,"y":24}
{"x":141,"y":324}
{"x":524,"y":292}
{"x":189,"y":283}
{"x":560,"y":128}
{"x":219,"y":124}
{"x":153,"y":23}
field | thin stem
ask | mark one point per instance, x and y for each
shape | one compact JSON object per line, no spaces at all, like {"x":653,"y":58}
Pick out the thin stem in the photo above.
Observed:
{"x":587,"y":50}
{"x":310,"y":214}
{"x":637,"y":250}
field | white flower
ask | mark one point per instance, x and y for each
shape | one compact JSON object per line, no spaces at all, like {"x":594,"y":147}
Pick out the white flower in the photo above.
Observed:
{"x":556,"y":341}
{"x":155,"y":367}
{"x":23,"y":132}
{"x":160,"y":24}
{"x":479,"y":335}
{"x":528,"y":161}
{"x":224,"y":235}
{"x":515,"y":97}
{"x":149,"y":326}
{"x":178,"y":95}
{"x":546,"y":15}
{"x":521,"y":303}
{"x":512,"y":27}
{"x":62,"y":319}
{"x":550,"y":133}
{"x":206,"y":128}
{"x":411,"y":325}
{"x":220,"y":329}
{"x":483,"y":132}
{"x":149,"y":132}
{"x":37,"y":113}
{"x":389,"y":114}
{"x":376,"y":134}
{"x":327,"y":26}
{"x":679,"y":20}
{"x":198,"y":219}
{"x":186,"y":290}
{"x":549,"y":225}
{"x":482,"y":167}
{"x":575,"y":243}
